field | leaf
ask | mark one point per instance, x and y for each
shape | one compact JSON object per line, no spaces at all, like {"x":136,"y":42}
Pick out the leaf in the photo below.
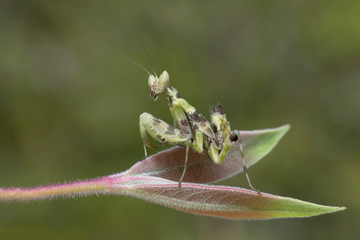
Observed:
{"x":169,"y":164}
{"x":143,"y":181}
{"x":217,"y":201}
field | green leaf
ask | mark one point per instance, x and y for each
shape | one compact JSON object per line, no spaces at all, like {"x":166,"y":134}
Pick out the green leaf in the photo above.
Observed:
{"x":169,"y":164}
{"x":218,"y":201}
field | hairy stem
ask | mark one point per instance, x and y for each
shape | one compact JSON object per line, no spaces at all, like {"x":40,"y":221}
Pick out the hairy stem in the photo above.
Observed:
{"x":75,"y":189}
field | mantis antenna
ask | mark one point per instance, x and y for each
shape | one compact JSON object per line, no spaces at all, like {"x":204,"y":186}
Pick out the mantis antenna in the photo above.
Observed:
{"x":148,"y":57}
{"x":129,"y":59}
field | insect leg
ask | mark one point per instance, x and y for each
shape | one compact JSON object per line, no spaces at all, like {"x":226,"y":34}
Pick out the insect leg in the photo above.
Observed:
{"x":182,"y":121}
{"x":160,"y":130}
{"x":243,"y":161}
{"x":196,"y":118}
{"x":143,"y":136}
{"x":186,"y":160}
{"x":198,"y":143}
{"x":214,"y":152}
{"x":163,"y":132}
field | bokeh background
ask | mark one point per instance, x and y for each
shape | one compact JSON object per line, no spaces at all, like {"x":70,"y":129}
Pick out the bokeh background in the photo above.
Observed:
{"x":69,"y":107}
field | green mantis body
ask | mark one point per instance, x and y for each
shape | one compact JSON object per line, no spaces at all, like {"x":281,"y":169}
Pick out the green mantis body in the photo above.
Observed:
{"x":191,"y":128}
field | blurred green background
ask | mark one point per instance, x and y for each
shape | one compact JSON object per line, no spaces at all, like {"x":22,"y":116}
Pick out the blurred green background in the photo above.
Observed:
{"x":69,"y":107}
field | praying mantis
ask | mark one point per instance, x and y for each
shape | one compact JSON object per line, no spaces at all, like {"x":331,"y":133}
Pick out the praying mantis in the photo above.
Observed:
{"x":190,"y":128}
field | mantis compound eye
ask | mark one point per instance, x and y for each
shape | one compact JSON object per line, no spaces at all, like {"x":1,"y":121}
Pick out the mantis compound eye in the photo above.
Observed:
{"x":164,"y":81}
{"x":151,"y":81}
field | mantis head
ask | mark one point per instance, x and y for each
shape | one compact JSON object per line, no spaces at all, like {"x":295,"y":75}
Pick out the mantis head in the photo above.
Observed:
{"x":158,"y":84}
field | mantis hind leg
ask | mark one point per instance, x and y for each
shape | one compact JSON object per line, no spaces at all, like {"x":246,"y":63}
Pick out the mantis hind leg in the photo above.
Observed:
{"x":245,"y":170}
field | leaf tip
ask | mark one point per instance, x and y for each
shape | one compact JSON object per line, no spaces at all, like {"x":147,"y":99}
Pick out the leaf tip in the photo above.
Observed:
{"x":322,"y":209}
{"x":329,"y":209}
{"x":337,"y":209}
{"x":284,"y":128}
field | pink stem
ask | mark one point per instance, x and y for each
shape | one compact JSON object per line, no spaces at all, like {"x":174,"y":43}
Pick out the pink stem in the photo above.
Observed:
{"x":75,"y":189}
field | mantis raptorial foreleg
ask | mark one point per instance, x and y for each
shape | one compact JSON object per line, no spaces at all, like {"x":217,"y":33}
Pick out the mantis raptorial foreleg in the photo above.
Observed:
{"x":217,"y":157}
{"x":160,"y":131}
{"x":166,"y":133}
